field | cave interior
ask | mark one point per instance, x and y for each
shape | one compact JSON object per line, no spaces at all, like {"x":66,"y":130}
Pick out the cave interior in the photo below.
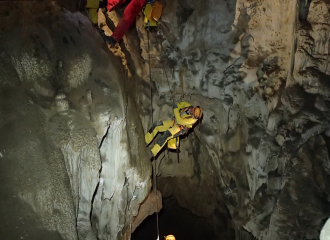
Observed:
{"x":74,"y":112}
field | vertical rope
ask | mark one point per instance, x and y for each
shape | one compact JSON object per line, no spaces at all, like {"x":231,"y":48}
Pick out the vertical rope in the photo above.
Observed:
{"x":168,"y":83}
{"x":169,"y":87}
{"x":152,"y":120}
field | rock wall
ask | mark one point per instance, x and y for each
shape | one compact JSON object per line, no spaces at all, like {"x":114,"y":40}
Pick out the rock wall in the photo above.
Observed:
{"x":72,"y":154}
{"x":259,"y":71}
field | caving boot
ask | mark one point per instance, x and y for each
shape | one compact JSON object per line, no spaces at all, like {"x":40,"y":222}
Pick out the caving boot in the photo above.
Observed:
{"x":106,"y":38}
{"x":111,"y":41}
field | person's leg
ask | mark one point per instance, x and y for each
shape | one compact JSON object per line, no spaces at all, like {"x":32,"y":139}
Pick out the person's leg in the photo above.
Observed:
{"x":92,"y":6}
{"x":130,"y":13}
{"x":173,"y":143}
{"x":169,"y":134}
{"x":93,"y":15}
{"x":156,"y":128}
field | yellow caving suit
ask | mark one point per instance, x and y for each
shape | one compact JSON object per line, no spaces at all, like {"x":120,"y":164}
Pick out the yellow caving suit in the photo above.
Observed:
{"x":92,"y":6}
{"x":172,"y":128}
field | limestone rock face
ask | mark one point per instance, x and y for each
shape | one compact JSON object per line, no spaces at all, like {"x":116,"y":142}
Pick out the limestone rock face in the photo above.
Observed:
{"x":73,"y":162}
{"x":259,"y":71}
{"x":72,"y":154}
{"x":325,"y":235}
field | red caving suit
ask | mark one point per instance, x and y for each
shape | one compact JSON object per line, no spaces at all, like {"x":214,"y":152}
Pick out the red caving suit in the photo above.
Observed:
{"x":130,"y":13}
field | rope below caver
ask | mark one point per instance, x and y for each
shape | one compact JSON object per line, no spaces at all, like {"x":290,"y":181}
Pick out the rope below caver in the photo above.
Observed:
{"x":152,"y":120}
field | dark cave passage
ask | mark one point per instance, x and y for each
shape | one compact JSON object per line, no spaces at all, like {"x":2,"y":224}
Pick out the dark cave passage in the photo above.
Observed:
{"x":175,"y":220}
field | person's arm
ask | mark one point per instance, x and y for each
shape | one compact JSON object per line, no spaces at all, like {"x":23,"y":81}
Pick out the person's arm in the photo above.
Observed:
{"x":130,"y":13}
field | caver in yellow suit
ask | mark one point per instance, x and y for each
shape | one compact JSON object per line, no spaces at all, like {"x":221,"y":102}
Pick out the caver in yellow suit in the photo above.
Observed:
{"x":169,"y":237}
{"x":185,"y":117}
{"x":92,"y":7}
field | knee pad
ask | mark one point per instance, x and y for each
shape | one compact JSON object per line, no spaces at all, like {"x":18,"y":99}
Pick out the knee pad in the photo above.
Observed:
{"x":162,"y":140}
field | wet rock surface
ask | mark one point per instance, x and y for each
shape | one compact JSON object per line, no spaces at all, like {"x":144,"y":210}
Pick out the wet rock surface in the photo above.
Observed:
{"x":259,"y":71}
{"x":73,"y":115}
{"x":73,"y":159}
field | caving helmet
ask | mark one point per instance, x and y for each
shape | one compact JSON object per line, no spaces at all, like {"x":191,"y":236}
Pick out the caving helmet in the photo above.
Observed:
{"x":169,"y":237}
{"x":197,"y":112}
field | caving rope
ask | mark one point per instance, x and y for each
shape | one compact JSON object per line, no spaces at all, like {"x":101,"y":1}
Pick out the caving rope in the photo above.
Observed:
{"x":169,"y":87}
{"x":152,"y":120}
{"x":158,"y":14}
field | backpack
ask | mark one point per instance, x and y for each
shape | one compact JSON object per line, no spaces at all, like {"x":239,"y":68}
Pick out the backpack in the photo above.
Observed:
{"x":152,"y":12}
